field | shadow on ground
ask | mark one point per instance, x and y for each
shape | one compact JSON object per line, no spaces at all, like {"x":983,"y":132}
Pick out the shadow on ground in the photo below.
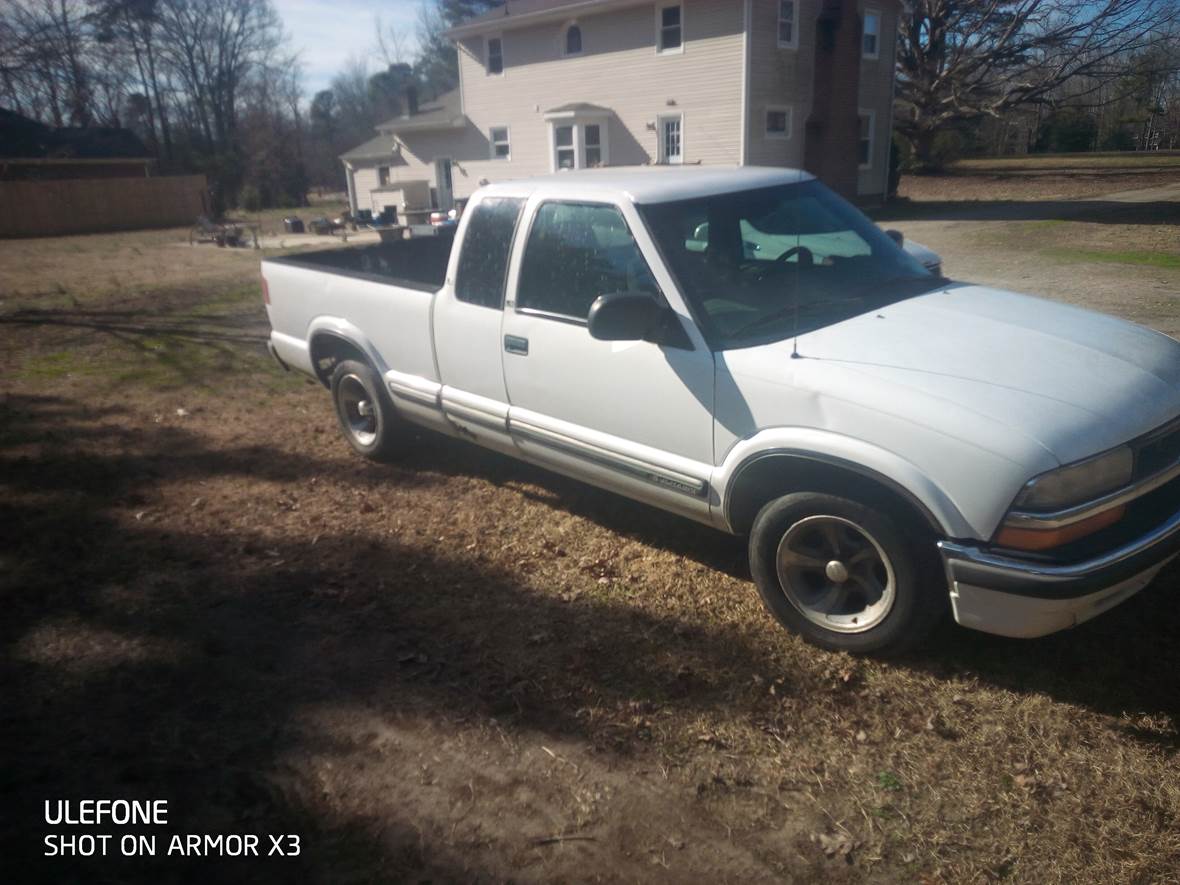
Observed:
{"x":147,"y":661}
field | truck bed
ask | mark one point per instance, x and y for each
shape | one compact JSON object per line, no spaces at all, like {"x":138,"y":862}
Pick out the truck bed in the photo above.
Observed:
{"x":419,"y":263}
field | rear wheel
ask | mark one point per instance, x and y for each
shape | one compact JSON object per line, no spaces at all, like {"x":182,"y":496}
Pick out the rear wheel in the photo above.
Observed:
{"x":842,"y":575}
{"x":365,"y":411}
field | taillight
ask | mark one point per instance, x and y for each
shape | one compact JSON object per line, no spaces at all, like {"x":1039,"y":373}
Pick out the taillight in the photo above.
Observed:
{"x":265,"y":292}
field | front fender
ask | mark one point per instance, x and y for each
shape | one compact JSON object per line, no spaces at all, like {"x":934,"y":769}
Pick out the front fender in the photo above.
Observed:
{"x":887,"y":468}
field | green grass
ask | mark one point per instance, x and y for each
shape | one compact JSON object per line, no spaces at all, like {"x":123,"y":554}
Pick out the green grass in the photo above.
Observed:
{"x":236,"y":298}
{"x":57,"y":364}
{"x":1140,"y":259}
{"x":1125,"y":160}
{"x":173,"y":344}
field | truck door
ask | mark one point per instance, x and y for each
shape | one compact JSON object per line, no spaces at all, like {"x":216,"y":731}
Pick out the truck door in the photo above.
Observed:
{"x":634,"y":416}
{"x":467,"y":319}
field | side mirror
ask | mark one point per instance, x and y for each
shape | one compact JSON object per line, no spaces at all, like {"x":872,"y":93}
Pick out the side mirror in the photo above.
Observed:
{"x":896,"y":235}
{"x":624,"y":316}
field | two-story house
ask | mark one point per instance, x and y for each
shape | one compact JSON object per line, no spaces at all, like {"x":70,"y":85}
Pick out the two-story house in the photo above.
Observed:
{"x":546,"y":85}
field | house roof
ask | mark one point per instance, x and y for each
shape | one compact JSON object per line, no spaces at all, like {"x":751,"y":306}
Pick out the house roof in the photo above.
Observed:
{"x":373,"y":149}
{"x":579,"y":107}
{"x":445,"y":112}
{"x":516,"y":13}
{"x":23,"y":137}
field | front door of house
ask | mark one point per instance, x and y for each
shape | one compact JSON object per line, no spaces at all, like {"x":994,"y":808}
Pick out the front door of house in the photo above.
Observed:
{"x":444,"y":187}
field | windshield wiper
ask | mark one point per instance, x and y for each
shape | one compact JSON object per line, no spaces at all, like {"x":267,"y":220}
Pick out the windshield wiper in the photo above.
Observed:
{"x":811,"y":308}
{"x":904,"y":278}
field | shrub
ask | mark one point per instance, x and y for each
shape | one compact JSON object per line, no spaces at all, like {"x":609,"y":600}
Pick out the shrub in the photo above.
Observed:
{"x":249,"y":198}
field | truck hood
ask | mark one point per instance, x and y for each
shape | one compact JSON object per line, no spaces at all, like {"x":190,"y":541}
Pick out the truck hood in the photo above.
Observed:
{"x":981,"y":363}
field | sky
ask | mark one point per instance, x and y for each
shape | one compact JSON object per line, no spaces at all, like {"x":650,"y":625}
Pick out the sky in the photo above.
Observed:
{"x":327,"y":33}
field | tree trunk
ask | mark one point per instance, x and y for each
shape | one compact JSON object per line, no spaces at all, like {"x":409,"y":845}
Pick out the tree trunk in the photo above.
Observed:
{"x":161,"y":110}
{"x":923,"y":141}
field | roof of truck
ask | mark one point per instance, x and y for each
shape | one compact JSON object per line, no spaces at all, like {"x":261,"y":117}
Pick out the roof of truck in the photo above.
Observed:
{"x":650,"y":184}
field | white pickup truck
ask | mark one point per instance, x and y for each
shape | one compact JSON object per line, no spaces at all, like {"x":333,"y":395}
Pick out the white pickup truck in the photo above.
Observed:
{"x":742,"y":347}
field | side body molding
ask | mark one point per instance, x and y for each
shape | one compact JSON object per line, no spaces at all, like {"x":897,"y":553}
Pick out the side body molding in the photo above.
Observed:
{"x":889,"y":469}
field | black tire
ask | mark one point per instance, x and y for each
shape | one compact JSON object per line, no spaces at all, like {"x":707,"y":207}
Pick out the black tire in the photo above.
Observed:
{"x":799,"y":589}
{"x":365,"y":411}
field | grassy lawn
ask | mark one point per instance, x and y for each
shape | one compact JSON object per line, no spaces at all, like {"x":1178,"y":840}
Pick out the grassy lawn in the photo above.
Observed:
{"x":1140,"y":259}
{"x":1104,"y":161}
{"x":1108,"y":239}
{"x":460,"y":667}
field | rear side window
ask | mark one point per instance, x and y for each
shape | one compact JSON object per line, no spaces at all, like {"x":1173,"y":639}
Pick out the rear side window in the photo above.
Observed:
{"x":483,"y":254}
{"x":576,"y":252}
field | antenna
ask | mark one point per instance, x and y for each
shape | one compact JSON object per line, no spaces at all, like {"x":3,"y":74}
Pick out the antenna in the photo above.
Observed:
{"x":795,"y":330}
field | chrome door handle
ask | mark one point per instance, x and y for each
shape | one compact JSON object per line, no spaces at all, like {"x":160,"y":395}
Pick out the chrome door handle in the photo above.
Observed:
{"x":516,"y":344}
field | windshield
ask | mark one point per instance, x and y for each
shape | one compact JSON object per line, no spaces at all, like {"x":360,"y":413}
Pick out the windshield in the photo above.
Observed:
{"x":765,"y":264}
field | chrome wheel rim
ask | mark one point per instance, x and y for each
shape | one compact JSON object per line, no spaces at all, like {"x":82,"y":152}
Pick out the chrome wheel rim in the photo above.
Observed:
{"x":360,"y":414}
{"x":836,"y":574}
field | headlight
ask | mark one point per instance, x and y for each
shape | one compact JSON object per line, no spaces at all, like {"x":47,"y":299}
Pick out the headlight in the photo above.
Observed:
{"x":1078,"y":483}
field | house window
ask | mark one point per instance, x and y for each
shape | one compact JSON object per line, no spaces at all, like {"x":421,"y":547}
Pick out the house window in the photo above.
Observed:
{"x":788,"y":24}
{"x":671,"y":132}
{"x":498,"y":136}
{"x":778,"y":122}
{"x":872,"y":34}
{"x":382,"y":175}
{"x":670,"y":38}
{"x":573,"y":40}
{"x":563,"y":141}
{"x":592,"y":133}
{"x":495,"y":59}
{"x":865,"y":147}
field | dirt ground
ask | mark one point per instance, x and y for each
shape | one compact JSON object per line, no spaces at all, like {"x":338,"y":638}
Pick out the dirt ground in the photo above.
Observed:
{"x":460,"y":668}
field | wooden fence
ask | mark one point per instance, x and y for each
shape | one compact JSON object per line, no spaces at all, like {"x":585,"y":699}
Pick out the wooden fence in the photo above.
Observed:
{"x":88,"y":205}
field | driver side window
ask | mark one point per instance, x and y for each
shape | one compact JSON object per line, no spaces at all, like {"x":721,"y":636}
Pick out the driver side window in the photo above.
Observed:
{"x":576,"y":252}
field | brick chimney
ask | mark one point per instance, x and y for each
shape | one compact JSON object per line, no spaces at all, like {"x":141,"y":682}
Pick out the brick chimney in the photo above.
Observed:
{"x":411,"y":92}
{"x":832,"y":132}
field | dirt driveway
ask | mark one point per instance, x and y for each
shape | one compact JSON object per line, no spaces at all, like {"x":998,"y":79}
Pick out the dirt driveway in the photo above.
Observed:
{"x":1116,"y":251}
{"x":459,"y":668}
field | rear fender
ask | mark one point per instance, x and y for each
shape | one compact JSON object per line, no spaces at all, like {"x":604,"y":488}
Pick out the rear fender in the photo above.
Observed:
{"x":341,"y":328}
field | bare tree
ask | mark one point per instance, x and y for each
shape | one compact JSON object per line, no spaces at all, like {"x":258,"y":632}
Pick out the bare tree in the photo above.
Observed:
{"x":214,"y":45}
{"x":391,"y":43}
{"x":961,"y":60}
{"x":135,"y":26}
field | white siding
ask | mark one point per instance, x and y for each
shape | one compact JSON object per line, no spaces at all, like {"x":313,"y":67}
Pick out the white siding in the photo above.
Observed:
{"x":366,"y":182}
{"x":620,"y":69}
{"x":785,"y":77}
{"x":780,"y":77}
{"x":617,"y":69}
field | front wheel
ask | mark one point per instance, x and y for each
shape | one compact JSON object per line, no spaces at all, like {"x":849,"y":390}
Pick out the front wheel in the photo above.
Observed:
{"x":365,"y":411}
{"x":841,"y":575}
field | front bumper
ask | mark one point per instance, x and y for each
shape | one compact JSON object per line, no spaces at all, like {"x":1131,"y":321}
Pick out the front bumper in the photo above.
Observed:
{"x":1017,"y":597}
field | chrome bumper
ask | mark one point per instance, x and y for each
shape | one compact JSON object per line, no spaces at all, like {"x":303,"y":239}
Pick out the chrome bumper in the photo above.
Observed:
{"x":1017,"y":597}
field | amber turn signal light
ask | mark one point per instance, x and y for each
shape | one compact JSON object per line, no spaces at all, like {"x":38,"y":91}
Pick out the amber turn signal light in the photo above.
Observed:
{"x":1046,"y":539}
